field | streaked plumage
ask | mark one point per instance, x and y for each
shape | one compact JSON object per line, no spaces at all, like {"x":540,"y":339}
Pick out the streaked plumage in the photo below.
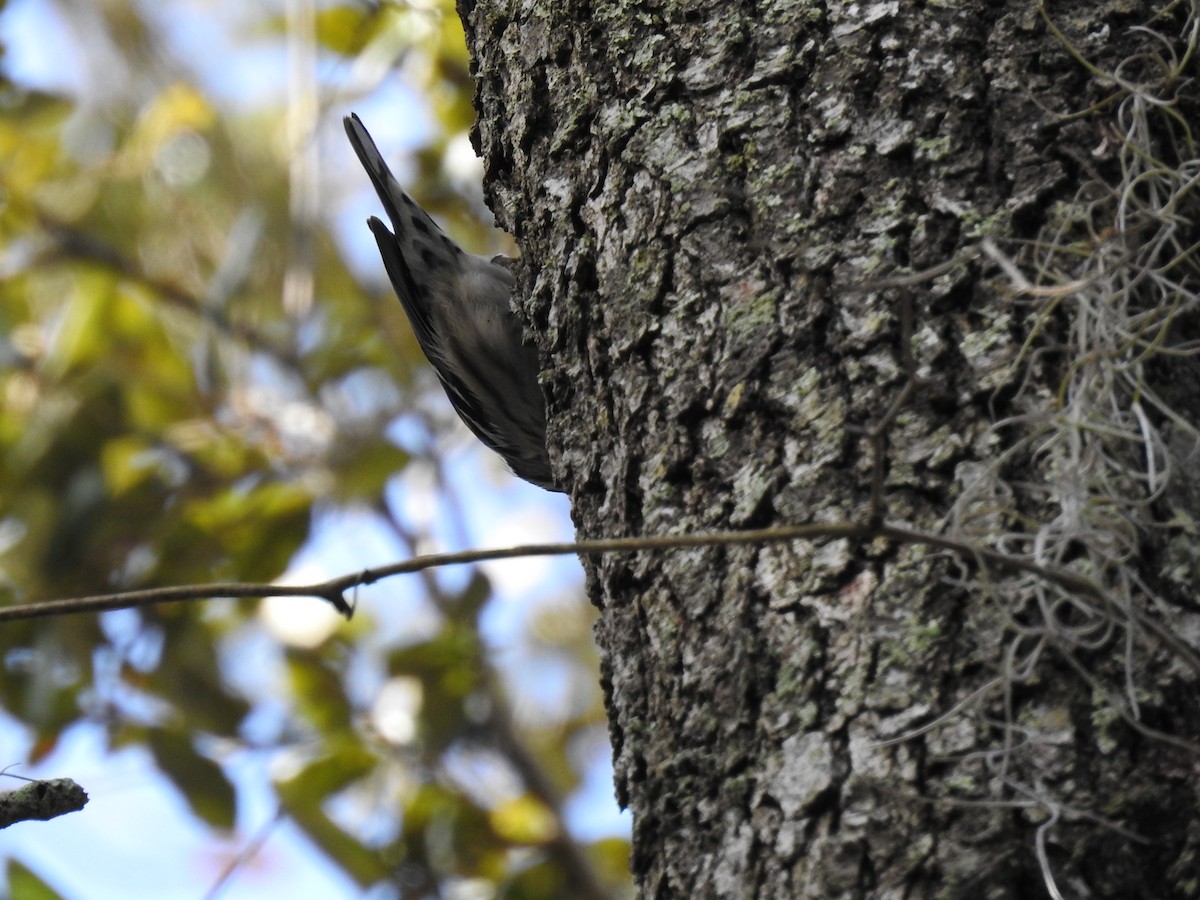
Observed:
{"x":458,"y":305}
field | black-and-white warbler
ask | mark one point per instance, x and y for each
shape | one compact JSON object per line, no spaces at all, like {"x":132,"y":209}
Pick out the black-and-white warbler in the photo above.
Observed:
{"x":459,"y":310}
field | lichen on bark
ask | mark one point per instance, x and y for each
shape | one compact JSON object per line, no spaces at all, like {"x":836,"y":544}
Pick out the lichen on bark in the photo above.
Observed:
{"x":714,"y":202}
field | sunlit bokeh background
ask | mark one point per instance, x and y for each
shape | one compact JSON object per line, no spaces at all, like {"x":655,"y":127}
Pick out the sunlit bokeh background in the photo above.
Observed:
{"x":204,"y":376}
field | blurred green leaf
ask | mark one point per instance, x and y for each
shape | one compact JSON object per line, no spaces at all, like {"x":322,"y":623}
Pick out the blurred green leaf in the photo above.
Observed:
{"x":24,"y":884}
{"x":343,"y":763}
{"x":320,"y":692}
{"x":611,"y":858}
{"x":449,"y":667}
{"x":466,"y":841}
{"x":189,"y":677}
{"x":539,"y":881}
{"x":365,"y":866}
{"x":258,"y":526}
{"x":344,"y":29}
{"x":201,"y":781}
{"x":523,"y":820}
{"x":363,"y":471}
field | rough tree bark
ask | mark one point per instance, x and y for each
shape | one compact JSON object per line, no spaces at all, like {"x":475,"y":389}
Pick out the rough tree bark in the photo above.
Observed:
{"x":714,"y":202}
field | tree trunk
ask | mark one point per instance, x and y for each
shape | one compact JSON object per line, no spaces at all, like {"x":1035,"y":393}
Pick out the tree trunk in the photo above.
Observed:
{"x":744,"y":227}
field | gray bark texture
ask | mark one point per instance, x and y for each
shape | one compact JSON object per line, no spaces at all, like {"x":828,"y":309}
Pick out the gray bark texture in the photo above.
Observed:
{"x":743,"y":226}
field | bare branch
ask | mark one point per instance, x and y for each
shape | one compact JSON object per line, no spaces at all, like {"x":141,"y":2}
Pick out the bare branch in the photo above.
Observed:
{"x":334,"y":589}
{"x":41,"y":800}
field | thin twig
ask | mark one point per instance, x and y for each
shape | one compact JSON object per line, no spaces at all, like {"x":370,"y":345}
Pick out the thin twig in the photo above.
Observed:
{"x":246,"y":854}
{"x":334,"y":589}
